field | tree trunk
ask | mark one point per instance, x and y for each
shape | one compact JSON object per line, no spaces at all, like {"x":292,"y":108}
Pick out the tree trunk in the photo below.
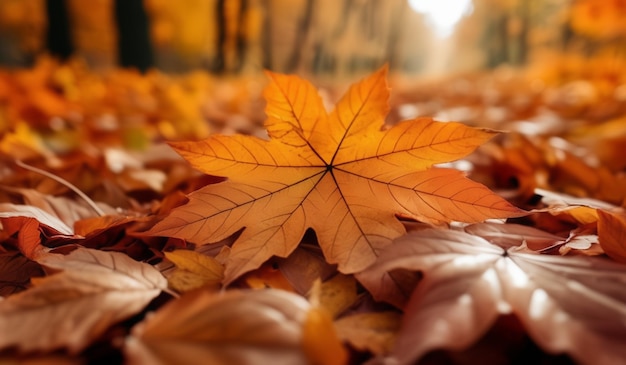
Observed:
{"x":133,"y":41}
{"x":58,"y":36}
{"x":301,"y":35}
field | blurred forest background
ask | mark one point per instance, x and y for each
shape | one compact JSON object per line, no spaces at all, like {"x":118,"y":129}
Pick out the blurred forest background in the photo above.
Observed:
{"x":311,"y":37}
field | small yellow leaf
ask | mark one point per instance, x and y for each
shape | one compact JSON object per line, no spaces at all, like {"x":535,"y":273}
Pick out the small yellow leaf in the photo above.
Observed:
{"x":337,"y":294}
{"x":580,"y":214}
{"x":183,"y":281}
{"x":194,"y":270}
{"x":374,"y":331}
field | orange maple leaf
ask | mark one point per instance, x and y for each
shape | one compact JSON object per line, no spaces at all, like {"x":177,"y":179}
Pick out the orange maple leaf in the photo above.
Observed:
{"x":340,"y":174}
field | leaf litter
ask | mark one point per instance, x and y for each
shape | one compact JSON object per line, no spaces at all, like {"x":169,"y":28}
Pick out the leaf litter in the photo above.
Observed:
{"x":550,"y":275}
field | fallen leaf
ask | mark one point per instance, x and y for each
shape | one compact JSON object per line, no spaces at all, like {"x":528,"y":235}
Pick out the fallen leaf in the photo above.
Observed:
{"x":305,"y":265}
{"x":372,"y":331}
{"x":123,"y":233}
{"x":16,"y":272}
{"x":559,"y":200}
{"x":320,"y":340}
{"x":567,"y":304}
{"x":337,"y":294}
{"x":65,"y":209}
{"x":267,"y":276}
{"x":233,"y":327}
{"x":8,"y":210}
{"x":28,"y":234}
{"x":578,"y":214}
{"x":510,"y":234}
{"x":612,"y":234}
{"x":340,"y":174}
{"x":193,"y":270}
{"x":42,"y":360}
{"x":582,"y":243}
{"x":95,"y":225}
{"x":70,"y":309}
{"x":382,"y":285}
{"x":24,"y":143}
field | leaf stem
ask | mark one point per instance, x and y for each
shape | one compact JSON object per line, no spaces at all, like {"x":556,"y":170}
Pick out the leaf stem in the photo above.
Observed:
{"x":64,"y":182}
{"x":171,"y":292}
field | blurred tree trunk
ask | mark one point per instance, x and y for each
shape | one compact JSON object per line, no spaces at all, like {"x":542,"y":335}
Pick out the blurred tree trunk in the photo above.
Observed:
{"x":394,"y":34}
{"x":525,"y":28}
{"x":219,"y":64}
{"x":266,"y":38}
{"x":231,"y":36}
{"x":496,"y":40}
{"x":241,"y":41}
{"x":58,"y":36}
{"x":303,"y":30}
{"x":133,"y":41}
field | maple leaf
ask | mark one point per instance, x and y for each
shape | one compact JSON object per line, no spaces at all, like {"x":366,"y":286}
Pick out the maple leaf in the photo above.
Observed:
{"x":94,"y":290}
{"x":340,"y":174}
{"x":567,"y":304}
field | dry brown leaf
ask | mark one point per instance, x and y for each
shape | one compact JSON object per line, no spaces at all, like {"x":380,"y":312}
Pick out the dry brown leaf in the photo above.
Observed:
{"x":509,"y":235}
{"x":612,"y":234}
{"x":42,"y":360}
{"x":67,"y":210}
{"x":16,"y":272}
{"x":28,"y":232}
{"x":72,"y":308}
{"x":8,"y":210}
{"x":371,"y":331}
{"x":305,"y":265}
{"x":267,"y":276}
{"x":567,"y":304}
{"x":233,"y":327}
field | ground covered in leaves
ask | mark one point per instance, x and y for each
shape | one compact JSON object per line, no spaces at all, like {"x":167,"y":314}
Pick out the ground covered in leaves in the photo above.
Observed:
{"x":330,"y":238}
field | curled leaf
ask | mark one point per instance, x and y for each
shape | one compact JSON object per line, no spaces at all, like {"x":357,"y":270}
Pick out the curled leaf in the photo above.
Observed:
{"x":70,"y":309}
{"x":234,"y":327}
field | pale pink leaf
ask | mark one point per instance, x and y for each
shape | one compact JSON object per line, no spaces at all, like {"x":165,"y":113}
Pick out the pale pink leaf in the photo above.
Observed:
{"x":567,"y":304}
{"x":510,"y":234}
{"x":8,"y":210}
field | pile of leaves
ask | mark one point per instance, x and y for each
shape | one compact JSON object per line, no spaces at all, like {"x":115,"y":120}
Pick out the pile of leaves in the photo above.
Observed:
{"x":325,"y":238}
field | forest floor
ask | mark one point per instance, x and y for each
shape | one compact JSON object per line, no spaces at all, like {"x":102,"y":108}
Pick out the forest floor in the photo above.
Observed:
{"x":86,"y":175}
